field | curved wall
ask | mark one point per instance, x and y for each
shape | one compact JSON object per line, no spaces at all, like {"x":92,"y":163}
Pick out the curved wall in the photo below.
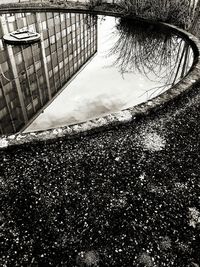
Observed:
{"x":124,"y":116}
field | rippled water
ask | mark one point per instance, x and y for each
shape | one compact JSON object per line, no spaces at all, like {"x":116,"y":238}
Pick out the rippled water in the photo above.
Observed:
{"x":83,"y":67}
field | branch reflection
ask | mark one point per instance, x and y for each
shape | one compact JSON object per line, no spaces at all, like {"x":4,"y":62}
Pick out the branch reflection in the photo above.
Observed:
{"x":151,"y":50}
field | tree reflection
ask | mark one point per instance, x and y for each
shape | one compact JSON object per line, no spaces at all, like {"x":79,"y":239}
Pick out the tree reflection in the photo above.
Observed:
{"x":151,"y":50}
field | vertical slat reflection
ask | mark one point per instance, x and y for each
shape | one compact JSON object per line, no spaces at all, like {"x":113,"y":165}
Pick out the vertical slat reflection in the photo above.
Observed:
{"x":57,"y":54}
{"x":8,"y":107}
{"x":67,"y":39}
{"x":52,"y":65}
{"x":44,"y":61}
{"x":14,"y":71}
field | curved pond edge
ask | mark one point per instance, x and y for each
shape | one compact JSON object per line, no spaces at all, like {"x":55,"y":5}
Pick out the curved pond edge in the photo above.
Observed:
{"x":117,"y":118}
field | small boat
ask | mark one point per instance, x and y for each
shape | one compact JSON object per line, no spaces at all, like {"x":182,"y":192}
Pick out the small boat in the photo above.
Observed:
{"x":21,"y":36}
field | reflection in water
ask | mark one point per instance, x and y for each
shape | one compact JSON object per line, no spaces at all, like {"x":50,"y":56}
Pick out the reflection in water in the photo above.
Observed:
{"x":102,"y":87}
{"x":142,"y":58}
{"x":153,"y":51}
{"x":31,"y":75}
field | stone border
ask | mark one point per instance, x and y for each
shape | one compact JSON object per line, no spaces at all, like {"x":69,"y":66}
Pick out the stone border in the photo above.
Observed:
{"x":114,"y":119}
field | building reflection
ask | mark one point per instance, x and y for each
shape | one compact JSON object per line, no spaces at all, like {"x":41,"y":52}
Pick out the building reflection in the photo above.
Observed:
{"x":31,"y":76}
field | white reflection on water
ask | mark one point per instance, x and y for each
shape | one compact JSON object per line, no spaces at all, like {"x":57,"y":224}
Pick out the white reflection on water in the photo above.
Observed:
{"x":99,"y":89}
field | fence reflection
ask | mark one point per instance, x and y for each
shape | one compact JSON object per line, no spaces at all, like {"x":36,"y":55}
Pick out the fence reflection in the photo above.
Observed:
{"x":32,"y":75}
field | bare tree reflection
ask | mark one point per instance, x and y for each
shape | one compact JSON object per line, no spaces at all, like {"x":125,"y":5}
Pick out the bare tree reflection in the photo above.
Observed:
{"x":151,"y":50}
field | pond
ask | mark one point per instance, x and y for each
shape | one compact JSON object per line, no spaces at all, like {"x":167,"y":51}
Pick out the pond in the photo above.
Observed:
{"x":84,"y":67}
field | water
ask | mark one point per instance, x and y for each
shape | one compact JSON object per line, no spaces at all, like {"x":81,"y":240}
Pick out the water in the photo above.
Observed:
{"x":84,"y":67}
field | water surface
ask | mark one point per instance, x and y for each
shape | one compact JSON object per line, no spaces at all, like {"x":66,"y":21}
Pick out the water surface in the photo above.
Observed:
{"x":84,"y":67}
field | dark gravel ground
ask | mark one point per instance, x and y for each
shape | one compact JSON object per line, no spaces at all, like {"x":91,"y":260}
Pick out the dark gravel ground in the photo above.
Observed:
{"x":125,"y":197}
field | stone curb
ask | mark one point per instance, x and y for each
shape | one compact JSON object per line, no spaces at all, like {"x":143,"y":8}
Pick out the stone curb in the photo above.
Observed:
{"x":118,"y":118}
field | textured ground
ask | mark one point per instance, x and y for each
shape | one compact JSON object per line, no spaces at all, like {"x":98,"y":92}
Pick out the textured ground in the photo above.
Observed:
{"x":125,"y":197}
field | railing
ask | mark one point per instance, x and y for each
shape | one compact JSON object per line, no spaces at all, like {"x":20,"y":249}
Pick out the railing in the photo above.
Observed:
{"x":82,"y":1}
{"x":193,"y":4}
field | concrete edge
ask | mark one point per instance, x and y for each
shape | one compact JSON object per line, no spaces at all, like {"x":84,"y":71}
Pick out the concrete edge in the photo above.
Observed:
{"x":118,"y":118}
